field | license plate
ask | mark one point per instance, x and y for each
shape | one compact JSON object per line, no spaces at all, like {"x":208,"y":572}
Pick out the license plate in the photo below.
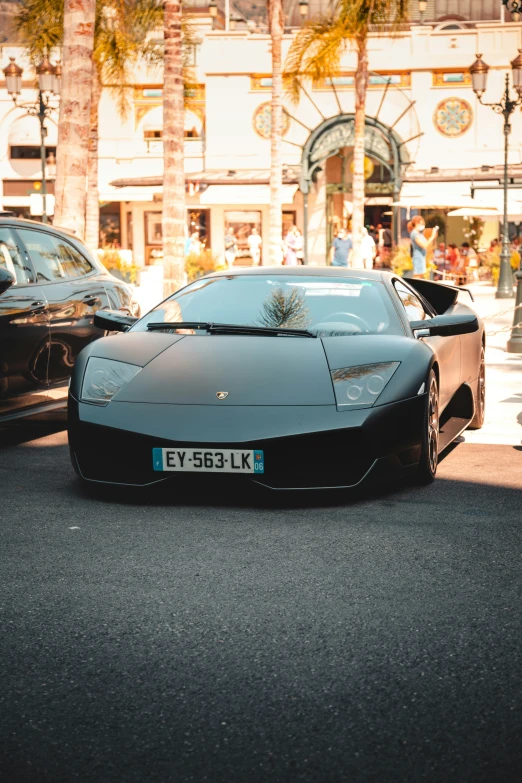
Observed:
{"x":209,"y":460}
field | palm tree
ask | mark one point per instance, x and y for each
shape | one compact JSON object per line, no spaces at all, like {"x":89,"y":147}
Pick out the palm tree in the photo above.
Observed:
{"x":120,"y":38}
{"x":276,"y":24}
{"x":316,"y":54}
{"x":173,"y":220}
{"x":75,"y":105}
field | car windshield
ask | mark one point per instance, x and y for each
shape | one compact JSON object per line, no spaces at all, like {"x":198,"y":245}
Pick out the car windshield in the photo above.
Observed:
{"x":324,"y":306}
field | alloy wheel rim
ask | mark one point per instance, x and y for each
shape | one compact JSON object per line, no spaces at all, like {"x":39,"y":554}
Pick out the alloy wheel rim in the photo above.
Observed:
{"x":433,"y":426}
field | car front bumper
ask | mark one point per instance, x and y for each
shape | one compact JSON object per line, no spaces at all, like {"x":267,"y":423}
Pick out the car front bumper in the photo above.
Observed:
{"x":304,"y":447}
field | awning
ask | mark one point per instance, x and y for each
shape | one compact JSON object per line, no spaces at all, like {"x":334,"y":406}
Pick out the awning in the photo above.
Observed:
{"x":244,"y":194}
{"x":130,"y":194}
{"x":439,"y":195}
{"x":495,"y":197}
{"x":482,"y":212}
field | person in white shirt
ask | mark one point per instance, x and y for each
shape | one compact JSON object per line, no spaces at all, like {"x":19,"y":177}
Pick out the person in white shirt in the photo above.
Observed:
{"x":368,"y":249}
{"x":254,"y":245}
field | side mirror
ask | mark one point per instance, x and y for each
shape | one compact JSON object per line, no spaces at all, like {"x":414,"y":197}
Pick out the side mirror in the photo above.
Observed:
{"x":113,"y":320}
{"x":445,"y":325}
{"x":6,"y":279}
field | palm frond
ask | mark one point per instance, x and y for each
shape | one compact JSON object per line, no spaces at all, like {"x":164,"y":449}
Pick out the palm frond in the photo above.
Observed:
{"x":39,"y":24}
{"x":315,"y":52}
{"x":318,"y":47}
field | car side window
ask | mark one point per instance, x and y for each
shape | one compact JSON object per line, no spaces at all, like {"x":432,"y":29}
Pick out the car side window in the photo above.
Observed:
{"x":45,"y":255}
{"x":412,"y":304}
{"x":54,"y":258}
{"x":75,"y":264}
{"x":13,"y":258}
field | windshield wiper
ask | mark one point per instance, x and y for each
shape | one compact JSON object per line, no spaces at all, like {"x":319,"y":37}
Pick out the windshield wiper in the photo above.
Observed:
{"x":276,"y":331}
{"x":158,"y":326}
{"x":212,"y":328}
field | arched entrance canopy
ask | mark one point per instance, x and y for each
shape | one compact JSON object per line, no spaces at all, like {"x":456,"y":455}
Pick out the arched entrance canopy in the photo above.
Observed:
{"x":380,"y":142}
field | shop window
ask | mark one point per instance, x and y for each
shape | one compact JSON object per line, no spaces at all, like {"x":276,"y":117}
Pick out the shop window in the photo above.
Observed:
{"x":198,"y":223}
{"x":240,"y":224}
{"x":110,"y":225}
{"x":153,"y":237}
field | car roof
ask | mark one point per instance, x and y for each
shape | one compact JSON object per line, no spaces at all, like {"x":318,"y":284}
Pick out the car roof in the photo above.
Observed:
{"x":305,"y":271}
{"x":7,"y":220}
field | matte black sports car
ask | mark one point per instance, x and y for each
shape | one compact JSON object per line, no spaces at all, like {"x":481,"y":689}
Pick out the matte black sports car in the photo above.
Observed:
{"x":292,"y":377}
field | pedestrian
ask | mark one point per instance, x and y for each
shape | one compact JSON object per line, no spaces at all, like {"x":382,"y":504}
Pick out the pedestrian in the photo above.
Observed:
{"x":368,"y":249}
{"x":196,"y":246}
{"x":291,"y":245}
{"x":299,"y":246}
{"x":254,"y":244}
{"x":439,"y":259}
{"x":230,"y":247}
{"x":340,"y":249}
{"x":470,"y":261}
{"x":419,"y":244}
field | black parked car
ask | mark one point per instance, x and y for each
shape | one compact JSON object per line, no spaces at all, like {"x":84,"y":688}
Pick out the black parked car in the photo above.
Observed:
{"x":50,"y":288}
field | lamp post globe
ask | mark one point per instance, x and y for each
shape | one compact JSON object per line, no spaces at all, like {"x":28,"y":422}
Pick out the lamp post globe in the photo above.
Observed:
{"x":57,"y":79}
{"x":45,"y":72}
{"x":516,"y":72}
{"x":13,"y":78}
{"x":479,"y":76}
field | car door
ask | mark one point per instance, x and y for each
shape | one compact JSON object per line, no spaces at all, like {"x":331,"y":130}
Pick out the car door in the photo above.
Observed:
{"x":24,"y":332}
{"x":74,"y":292}
{"x":447,"y":349}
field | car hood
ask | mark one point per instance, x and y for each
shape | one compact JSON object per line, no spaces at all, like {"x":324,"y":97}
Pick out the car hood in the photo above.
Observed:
{"x":251,"y":370}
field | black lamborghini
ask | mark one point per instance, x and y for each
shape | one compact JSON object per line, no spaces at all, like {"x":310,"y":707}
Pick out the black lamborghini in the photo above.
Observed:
{"x":294,"y":378}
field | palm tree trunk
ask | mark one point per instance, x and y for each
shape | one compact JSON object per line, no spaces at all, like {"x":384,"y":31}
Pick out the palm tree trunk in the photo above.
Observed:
{"x":92,"y":211}
{"x":73,"y":127}
{"x":361,"y":86}
{"x":173,"y":223}
{"x":276,"y":164}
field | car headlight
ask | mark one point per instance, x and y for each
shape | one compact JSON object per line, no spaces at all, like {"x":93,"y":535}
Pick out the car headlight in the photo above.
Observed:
{"x":104,"y":377}
{"x":360,"y":387}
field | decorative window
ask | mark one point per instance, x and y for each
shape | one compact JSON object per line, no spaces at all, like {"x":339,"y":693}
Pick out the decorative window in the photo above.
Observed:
{"x":376,"y":81}
{"x":449,"y":78}
{"x":453,"y":117}
{"x":261,"y":81}
{"x":262,"y":120}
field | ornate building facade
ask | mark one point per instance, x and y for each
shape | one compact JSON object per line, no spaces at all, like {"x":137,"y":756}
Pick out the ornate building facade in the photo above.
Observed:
{"x":429,"y":144}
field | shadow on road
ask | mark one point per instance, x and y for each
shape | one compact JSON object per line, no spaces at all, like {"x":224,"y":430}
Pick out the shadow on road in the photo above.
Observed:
{"x":19,"y":431}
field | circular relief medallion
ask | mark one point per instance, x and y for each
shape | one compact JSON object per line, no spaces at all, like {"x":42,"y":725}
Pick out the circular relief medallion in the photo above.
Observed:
{"x":262,"y":120}
{"x":453,"y":117}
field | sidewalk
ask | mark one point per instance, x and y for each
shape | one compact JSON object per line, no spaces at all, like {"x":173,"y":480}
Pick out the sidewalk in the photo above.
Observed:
{"x":503,"y":423}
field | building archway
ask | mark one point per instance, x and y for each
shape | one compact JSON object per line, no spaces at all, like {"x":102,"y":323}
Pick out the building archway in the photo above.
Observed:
{"x":326,"y":166}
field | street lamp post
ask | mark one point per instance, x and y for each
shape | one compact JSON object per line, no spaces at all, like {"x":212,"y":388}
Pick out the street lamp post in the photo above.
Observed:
{"x":506,"y":107}
{"x":49,"y":79}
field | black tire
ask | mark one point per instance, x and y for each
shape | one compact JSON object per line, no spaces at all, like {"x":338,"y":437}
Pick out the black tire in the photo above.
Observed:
{"x":427,"y":467}
{"x":480,"y":398}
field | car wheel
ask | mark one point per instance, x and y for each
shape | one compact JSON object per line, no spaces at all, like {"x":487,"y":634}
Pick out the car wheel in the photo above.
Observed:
{"x":427,"y":467}
{"x":480,"y":400}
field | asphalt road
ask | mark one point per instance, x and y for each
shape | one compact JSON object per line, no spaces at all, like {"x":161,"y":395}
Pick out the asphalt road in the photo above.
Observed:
{"x":202,"y":638}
